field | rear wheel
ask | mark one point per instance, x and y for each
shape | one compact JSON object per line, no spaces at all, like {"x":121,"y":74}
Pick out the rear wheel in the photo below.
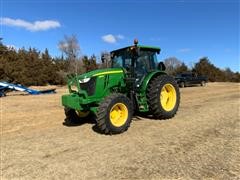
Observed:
{"x":163,"y":97}
{"x":114,"y":114}
{"x":75,"y":116}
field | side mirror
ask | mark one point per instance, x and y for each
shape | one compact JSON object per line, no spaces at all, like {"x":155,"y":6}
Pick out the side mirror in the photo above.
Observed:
{"x":161,"y":66}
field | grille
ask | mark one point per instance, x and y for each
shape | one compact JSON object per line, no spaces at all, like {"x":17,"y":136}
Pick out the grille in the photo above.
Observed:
{"x":89,"y":86}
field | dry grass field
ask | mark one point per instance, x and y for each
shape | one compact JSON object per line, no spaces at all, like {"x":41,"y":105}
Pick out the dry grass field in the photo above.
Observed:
{"x":202,"y":141}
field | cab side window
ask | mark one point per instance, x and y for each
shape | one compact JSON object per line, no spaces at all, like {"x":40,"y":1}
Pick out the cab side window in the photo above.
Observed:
{"x":117,"y":61}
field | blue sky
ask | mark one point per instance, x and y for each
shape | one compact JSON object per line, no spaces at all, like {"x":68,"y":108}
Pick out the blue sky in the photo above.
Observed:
{"x":185,"y":29}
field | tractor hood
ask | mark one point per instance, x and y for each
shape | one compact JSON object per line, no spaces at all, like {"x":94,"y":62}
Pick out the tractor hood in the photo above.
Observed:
{"x":101,"y":72}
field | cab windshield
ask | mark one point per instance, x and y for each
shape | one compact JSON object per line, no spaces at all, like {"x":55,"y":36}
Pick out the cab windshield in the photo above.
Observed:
{"x":145,"y":61}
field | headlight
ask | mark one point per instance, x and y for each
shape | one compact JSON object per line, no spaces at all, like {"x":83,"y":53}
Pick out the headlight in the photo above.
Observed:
{"x":85,"y":80}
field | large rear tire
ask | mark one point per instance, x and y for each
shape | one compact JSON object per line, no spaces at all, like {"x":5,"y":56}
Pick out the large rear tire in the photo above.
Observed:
{"x":114,"y":114}
{"x":163,"y":97}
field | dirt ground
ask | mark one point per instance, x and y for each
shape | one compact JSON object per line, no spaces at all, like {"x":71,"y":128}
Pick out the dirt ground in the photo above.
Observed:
{"x":201,"y":141}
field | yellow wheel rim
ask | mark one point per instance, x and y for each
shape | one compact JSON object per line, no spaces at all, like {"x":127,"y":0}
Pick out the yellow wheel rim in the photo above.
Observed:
{"x":82,"y":114}
{"x":168,"y":97}
{"x":118,"y":114}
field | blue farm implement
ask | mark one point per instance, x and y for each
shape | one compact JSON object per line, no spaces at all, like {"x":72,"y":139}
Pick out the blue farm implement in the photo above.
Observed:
{"x":6,"y":87}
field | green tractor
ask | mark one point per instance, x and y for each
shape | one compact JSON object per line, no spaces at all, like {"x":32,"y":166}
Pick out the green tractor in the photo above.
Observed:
{"x":136,"y":82}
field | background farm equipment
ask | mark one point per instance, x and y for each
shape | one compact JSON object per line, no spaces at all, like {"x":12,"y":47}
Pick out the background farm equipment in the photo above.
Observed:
{"x":7,"y":87}
{"x":190,"y":78}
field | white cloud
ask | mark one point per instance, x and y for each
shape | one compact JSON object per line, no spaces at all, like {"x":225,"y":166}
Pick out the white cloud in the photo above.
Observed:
{"x":31,"y":26}
{"x":109,"y":38}
{"x":184,"y":50}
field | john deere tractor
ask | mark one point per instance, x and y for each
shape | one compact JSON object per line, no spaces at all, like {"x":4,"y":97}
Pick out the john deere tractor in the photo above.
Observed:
{"x":136,"y":82}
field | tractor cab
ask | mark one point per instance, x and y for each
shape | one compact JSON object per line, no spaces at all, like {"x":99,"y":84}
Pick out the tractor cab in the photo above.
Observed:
{"x":141,"y":58}
{"x":137,"y":60}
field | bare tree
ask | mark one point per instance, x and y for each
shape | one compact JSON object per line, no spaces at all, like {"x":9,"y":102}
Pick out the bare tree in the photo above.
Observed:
{"x":71,"y":49}
{"x":172,"y":63}
{"x":79,"y":66}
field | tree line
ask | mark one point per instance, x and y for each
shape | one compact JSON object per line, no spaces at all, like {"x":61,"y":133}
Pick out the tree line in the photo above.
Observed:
{"x":203,"y":67}
{"x":32,"y":67}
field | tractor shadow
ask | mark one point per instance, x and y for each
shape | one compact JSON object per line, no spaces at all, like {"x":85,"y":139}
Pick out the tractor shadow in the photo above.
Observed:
{"x":140,"y":116}
{"x":96,"y":129}
{"x":192,"y":85}
{"x":90,"y":120}
{"x":136,"y":117}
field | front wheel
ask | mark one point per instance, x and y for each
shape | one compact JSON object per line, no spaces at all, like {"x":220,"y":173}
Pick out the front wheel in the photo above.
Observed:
{"x":74,"y":116}
{"x":114,"y":114}
{"x":163,"y":97}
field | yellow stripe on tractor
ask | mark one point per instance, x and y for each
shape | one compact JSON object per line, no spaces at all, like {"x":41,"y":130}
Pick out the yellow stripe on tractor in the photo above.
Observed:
{"x":109,"y":72}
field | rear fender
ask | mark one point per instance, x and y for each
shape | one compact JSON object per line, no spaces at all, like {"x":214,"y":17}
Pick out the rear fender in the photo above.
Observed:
{"x":141,"y":94}
{"x":144,"y":85}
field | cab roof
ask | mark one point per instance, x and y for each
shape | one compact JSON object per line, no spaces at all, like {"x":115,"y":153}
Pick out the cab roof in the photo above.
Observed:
{"x":142,"y":47}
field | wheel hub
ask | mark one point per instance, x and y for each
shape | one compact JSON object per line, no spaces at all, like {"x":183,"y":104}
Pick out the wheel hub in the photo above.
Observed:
{"x":118,"y":114}
{"x":168,"y":97}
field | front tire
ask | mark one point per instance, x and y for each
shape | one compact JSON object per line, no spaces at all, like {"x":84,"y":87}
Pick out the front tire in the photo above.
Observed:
{"x":163,"y":97}
{"x":75,"y":117}
{"x":114,"y":114}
